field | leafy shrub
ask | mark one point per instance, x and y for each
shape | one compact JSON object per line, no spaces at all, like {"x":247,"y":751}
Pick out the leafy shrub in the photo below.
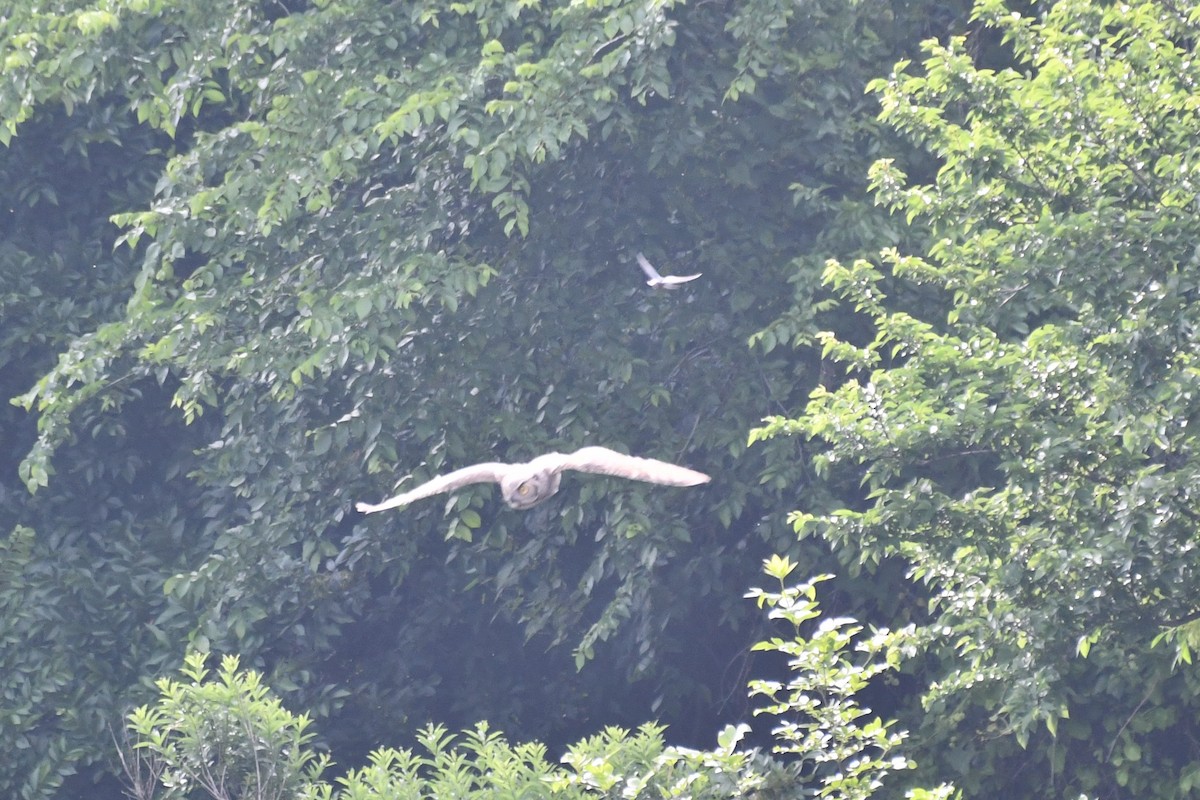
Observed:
{"x":226,"y":739}
{"x":229,"y":738}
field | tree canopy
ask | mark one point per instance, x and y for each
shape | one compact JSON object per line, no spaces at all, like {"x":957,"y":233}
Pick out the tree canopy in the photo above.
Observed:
{"x":262,"y":260}
{"x":1029,"y":454}
{"x":351,"y":241}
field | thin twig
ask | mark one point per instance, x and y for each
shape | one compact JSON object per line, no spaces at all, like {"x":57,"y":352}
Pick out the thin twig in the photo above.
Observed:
{"x":1129,"y":719}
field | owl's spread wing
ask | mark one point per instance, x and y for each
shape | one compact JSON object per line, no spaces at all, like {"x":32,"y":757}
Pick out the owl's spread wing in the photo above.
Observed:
{"x":490,"y":472}
{"x":602,"y":461}
{"x":649,"y":269}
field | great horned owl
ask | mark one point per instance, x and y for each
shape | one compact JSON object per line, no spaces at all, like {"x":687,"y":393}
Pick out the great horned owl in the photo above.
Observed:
{"x":653,"y":279}
{"x":526,"y":485}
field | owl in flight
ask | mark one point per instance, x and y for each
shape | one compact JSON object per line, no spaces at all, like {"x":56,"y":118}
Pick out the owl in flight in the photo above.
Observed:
{"x":657,"y":281}
{"x":526,"y":485}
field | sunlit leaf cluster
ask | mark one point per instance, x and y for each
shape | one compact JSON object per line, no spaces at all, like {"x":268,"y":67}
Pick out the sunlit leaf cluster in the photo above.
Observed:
{"x":1030,"y":454}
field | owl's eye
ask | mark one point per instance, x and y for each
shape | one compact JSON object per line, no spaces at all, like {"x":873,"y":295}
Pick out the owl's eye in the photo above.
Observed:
{"x":524,"y":489}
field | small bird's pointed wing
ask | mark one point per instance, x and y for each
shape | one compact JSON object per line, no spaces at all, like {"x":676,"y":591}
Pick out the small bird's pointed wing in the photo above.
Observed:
{"x":602,"y":461}
{"x":479,"y":473}
{"x":674,"y":280}
{"x":649,"y":269}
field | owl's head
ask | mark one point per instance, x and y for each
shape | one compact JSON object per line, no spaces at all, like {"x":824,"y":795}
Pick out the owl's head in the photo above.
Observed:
{"x":524,"y":489}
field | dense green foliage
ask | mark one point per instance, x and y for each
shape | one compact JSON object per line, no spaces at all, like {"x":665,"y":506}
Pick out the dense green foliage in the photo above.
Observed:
{"x":1031,"y":455}
{"x":229,"y":737}
{"x":358,"y":240}
{"x":226,"y":738}
{"x":261,"y":260}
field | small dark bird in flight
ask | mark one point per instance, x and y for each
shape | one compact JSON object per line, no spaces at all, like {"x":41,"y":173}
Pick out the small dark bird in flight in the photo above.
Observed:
{"x":659,"y":281}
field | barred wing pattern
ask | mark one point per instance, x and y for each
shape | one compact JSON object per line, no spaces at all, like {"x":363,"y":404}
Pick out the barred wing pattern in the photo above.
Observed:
{"x":479,"y":473}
